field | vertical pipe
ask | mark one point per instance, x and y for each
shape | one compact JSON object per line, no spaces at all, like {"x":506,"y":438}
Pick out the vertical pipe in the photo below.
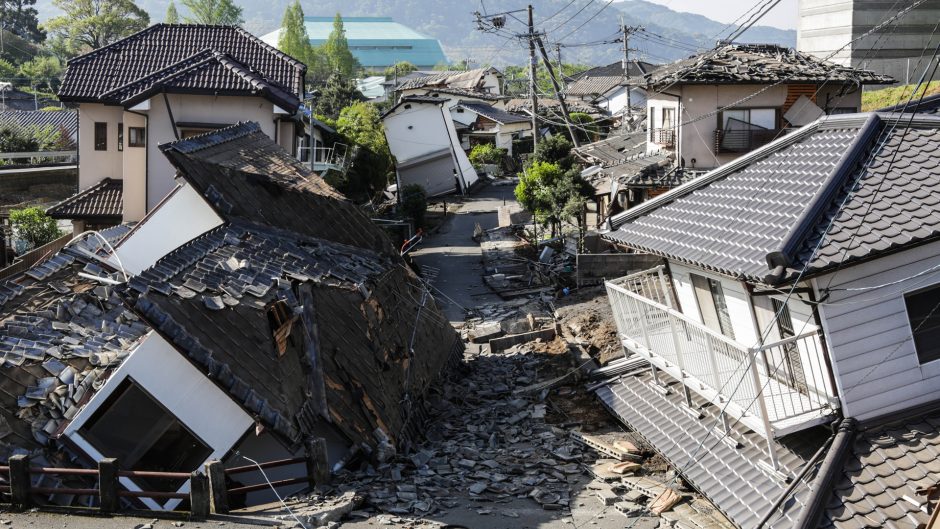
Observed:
{"x":532,"y":93}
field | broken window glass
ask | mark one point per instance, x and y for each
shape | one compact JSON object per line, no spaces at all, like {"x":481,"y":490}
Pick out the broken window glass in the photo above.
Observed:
{"x":143,"y":435}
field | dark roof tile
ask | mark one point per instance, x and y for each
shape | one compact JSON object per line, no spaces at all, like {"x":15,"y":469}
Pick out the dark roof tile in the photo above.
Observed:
{"x":104,"y":200}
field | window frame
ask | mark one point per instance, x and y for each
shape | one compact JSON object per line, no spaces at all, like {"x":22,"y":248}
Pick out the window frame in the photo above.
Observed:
{"x":933,"y":358}
{"x":713,"y":287}
{"x":141,"y":136}
{"x":101,"y":136}
{"x":120,"y":136}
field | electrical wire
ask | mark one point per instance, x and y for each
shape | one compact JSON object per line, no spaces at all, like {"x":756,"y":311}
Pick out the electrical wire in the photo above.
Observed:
{"x":601,"y":10}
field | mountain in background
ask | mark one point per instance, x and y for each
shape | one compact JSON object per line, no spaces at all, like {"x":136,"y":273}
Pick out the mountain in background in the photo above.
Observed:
{"x":677,"y":35}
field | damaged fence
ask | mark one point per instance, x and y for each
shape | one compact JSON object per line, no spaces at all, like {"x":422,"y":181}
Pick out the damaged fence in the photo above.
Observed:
{"x":208,"y":489}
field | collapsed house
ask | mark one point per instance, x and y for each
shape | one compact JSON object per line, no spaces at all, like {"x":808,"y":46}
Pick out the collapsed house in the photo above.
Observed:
{"x":422,"y":136}
{"x":252,"y":312}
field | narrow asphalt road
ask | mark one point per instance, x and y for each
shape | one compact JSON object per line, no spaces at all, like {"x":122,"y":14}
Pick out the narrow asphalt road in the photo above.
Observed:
{"x":455,"y":256}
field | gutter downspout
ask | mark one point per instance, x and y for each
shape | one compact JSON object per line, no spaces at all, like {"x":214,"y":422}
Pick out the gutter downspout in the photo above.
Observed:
{"x":796,"y":481}
{"x":818,"y":498}
{"x":169,"y":111}
{"x":146,"y":161}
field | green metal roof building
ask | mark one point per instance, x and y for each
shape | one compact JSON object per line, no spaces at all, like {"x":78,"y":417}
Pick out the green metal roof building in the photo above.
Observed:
{"x":377,"y":42}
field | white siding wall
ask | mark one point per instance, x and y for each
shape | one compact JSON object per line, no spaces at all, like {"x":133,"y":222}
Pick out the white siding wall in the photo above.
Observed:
{"x":178,"y":220}
{"x":870,"y":338}
{"x":654,"y":110}
{"x":134,"y":168}
{"x":739,"y":305}
{"x":174,"y":382}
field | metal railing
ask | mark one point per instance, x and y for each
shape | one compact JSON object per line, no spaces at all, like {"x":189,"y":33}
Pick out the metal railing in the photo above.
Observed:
{"x":774,"y":389}
{"x":38,"y":157}
{"x":736,"y":141}
{"x":663,"y":137}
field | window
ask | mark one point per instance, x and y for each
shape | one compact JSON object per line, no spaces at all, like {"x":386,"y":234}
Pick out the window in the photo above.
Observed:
{"x":133,"y":427}
{"x":712,"y":304}
{"x":101,"y":136}
{"x":669,"y":118}
{"x":120,"y":136}
{"x":923,"y":313}
{"x":745,"y":129}
{"x":136,"y":137}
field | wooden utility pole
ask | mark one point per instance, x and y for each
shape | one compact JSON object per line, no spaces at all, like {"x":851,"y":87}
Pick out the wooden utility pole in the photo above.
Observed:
{"x":561,"y":100}
{"x":626,"y":68}
{"x":533,"y":95}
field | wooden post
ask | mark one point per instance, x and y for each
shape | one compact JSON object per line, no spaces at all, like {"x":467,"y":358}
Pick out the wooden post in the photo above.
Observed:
{"x":318,"y":465}
{"x":108,"y":484}
{"x":217,"y":490}
{"x":19,"y":482}
{"x":199,"y":495}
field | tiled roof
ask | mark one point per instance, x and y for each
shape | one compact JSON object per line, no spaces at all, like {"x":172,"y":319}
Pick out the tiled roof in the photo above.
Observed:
{"x":884,"y":468}
{"x":493,"y":113}
{"x":602,"y":79}
{"x":67,"y":119}
{"x":757,"y":64}
{"x":244,"y":175}
{"x":732,"y":478}
{"x":525,"y":105}
{"x":762,"y":215}
{"x":59,"y":333}
{"x":614,"y":149}
{"x":91,"y":76}
{"x":104,"y":200}
{"x":615,"y":69}
{"x":204,"y":72}
{"x":468,"y":80}
{"x":461,"y":92}
{"x":927,"y":105}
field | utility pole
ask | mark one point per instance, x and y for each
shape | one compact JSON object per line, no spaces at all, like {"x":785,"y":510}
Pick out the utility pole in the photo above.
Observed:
{"x":627,"y":31}
{"x":532,"y":93}
{"x":561,"y":100}
{"x":561,"y":70}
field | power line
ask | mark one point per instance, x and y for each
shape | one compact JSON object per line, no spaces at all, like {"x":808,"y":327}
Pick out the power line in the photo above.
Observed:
{"x":601,"y":10}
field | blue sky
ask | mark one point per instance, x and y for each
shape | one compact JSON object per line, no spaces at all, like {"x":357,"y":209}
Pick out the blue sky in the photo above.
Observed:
{"x":783,"y":16}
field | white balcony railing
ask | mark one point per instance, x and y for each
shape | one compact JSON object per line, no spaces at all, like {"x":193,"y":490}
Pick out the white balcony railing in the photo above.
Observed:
{"x":773,"y":389}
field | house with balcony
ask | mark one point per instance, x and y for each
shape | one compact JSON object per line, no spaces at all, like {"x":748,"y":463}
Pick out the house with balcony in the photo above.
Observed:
{"x":609,"y":87}
{"x":715,"y":106}
{"x":162,"y":84}
{"x":790,"y":330}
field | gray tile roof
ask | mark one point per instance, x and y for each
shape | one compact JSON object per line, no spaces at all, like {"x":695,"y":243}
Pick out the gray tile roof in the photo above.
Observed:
{"x":614,"y":149}
{"x":91,"y":76}
{"x":59,"y":334}
{"x":886,"y":463}
{"x":757,"y":64}
{"x":525,"y":105}
{"x":66,"y":119}
{"x":603,"y":79}
{"x":468,"y":80}
{"x":102,"y":201}
{"x":730,"y":477}
{"x":761,"y":216}
{"x":493,"y":113}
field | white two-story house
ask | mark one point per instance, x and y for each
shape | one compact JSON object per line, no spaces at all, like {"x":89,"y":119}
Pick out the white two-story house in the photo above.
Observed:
{"x":717,"y":105}
{"x":799,"y":289}
{"x":167,"y":82}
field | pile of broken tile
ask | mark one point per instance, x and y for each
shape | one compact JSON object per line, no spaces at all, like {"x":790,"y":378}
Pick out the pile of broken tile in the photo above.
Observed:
{"x":489,"y":446}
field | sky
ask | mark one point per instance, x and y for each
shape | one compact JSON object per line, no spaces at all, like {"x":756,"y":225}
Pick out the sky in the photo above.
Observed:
{"x":783,"y":16}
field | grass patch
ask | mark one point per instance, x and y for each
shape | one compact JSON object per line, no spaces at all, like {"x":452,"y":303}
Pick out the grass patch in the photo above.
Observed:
{"x":887,"y":97}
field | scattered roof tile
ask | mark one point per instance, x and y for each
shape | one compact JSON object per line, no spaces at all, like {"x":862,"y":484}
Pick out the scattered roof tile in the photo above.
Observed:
{"x":493,"y":113}
{"x":757,"y":64}
{"x":468,"y":80}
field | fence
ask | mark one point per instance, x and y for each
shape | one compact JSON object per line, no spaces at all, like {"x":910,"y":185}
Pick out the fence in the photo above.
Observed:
{"x":40,"y":157}
{"x":208,"y":491}
{"x":30,"y":258}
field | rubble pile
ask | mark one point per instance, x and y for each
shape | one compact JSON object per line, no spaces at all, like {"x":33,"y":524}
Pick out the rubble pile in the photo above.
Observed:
{"x":511,"y":271}
{"x":498,"y":445}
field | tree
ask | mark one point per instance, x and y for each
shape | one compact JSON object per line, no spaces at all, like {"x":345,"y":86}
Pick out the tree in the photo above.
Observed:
{"x":338,"y":93}
{"x":21,"y":19}
{"x":414,"y":203}
{"x":341,"y":60}
{"x":552,"y":194}
{"x":7,"y":70}
{"x":91,"y":24}
{"x":400,"y":68}
{"x":360,"y":125}
{"x":215,"y":12}
{"x":172,"y":17}
{"x":34,"y":226}
{"x":555,"y":149}
{"x":293,"y":39}
{"x":43,"y":71}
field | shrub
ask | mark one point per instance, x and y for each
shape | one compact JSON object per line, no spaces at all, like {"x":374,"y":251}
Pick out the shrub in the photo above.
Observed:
{"x":486,"y":153}
{"x":34,"y":226}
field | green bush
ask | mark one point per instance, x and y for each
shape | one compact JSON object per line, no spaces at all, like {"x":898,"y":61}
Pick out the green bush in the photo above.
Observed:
{"x":34,"y":226}
{"x":414,"y":203}
{"x":486,"y":153}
